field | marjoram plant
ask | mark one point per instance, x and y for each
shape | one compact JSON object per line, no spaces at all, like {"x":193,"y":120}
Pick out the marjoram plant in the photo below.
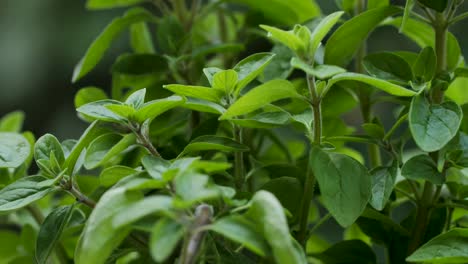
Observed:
{"x":215,"y":149}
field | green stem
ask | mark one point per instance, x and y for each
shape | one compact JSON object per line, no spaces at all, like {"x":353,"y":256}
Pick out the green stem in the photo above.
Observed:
{"x":422,"y":217}
{"x":238,"y":159}
{"x":192,"y":244}
{"x":80,"y":197}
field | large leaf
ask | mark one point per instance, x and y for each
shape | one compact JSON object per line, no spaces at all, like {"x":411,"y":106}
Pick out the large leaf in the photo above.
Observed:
{"x":450,"y":247}
{"x":268,"y":215}
{"x":165,"y":236}
{"x":24,"y":192}
{"x":241,"y":230}
{"x":389,"y":66}
{"x":383,"y":180}
{"x":200,"y":92}
{"x":424,"y":67}
{"x":144,"y":207}
{"x":287,"y":38}
{"x":209,"y":142}
{"x":154,"y":108}
{"x":50,"y":231}
{"x":12,"y":122}
{"x":322,"y":29}
{"x":249,"y":68}
{"x":106,"y":147}
{"x":433,"y":126}
{"x":261,"y":96}
{"x":99,"y":110}
{"x":14,"y":150}
{"x":141,"y":39}
{"x":422,"y":167}
{"x":383,"y":85}
{"x":288,"y":190}
{"x":345,"y":184}
{"x":99,"y":46}
{"x":88,"y":95}
{"x":347,"y":39}
{"x":100,"y":237}
{"x":47,"y":144}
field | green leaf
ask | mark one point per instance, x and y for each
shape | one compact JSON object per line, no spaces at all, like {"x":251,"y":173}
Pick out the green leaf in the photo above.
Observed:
{"x":111,"y":175}
{"x":155,"y":166}
{"x":287,"y":38}
{"x":437,"y":5}
{"x":105,"y":4}
{"x":88,"y":95}
{"x":203,"y":106}
{"x":99,"y":110}
{"x":153,"y":108}
{"x":347,"y":39}
{"x":345,"y":184}
{"x":349,"y":251}
{"x":100,"y":237}
{"x":10,"y":242}
{"x":261,"y":96}
{"x":24,"y":192}
{"x":377,"y":3}
{"x":47,"y":144}
{"x":422,"y":167}
{"x":249,"y":68}
{"x":14,"y":150}
{"x":12,"y":122}
{"x":264,"y":120}
{"x":140,"y":64}
{"x":106,"y":147}
{"x":287,"y":190}
{"x":141,"y":39}
{"x":433,"y":126}
{"x":388,"y":66}
{"x":204,"y":50}
{"x":383,"y":180}
{"x":241,"y":230}
{"x":320,"y":71}
{"x":225,"y":81}
{"x":195,"y":187}
{"x":449,"y":247}
{"x":136,"y":99}
{"x":200,"y":92}
{"x":268,"y":215}
{"x":165,"y":236}
{"x":99,"y":46}
{"x":149,"y":205}
{"x":279,"y":67}
{"x":406,"y":14}
{"x":385,"y":86}
{"x":209,"y":142}
{"x":425,"y":65}
{"x":322,"y":29}
{"x":457,"y":90}
{"x":374,"y":130}
{"x":50,"y":231}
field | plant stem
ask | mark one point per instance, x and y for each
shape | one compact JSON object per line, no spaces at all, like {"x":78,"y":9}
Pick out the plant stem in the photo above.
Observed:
{"x":440,"y":28}
{"x":80,"y":197}
{"x":238,"y":159}
{"x":203,"y":214}
{"x":422,"y":217}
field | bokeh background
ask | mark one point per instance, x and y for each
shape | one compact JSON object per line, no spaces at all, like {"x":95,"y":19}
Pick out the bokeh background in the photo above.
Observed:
{"x":41,"y":42}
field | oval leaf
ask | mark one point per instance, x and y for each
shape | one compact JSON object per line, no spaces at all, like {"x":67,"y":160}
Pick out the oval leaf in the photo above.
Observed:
{"x":154,"y":108}
{"x":422,"y":167}
{"x":14,"y":150}
{"x":383,"y":180}
{"x":165,"y":236}
{"x":24,"y":192}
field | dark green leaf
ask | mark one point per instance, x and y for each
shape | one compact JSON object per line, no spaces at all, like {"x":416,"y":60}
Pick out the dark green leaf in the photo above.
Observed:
{"x":24,"y":192}
{"x":345,"y":184}
{"x":12,"y":122}
{"x":383,"y":180}
{"x":88,"y":95}
{"x":377,"y":3}
{"x":264,"y":120}
{"x":209,"y":142}
{"x":105,"y":4}
{"x":425,"y":65}
{"x":321,"y":30}
{"x":374,"y":130}
{"x":155,"y":166}
{"x":349,"y":251}
{"x":139,"y":209}
{"x":422,"y":167}
{"x":437,"y":5}
{"x":47,"y":144}
{"x":433,"y":126}
{"x":320,"y":71}
{"x":249,"y":68}
{"x":165,"y":236}
{"x":99,"y":46}
{"x":106,"y":147}
{"x":14,"y":150}
{"x":50,"y":232}
{"x":388,"y":66}
{"x":287,"y":190}
{"x":110,"y":176}
{"x":140,"y":64}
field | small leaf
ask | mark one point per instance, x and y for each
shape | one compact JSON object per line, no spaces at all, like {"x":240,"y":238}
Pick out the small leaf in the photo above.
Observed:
{"x":422,"y":167}
{"x":136,"y":99}
{"x":347,"y":39}
{"x":14,"y":150}
{"x":261,"y":96}
{"x":24,"y":192}
{"x":209,"y":142}
{"x":99,"y":46}
{"x":345,"y":184}
{"x":241,"y":230}
{"x":155,"y":166}
{"x":111,"y":175}
{"x":50,"y":232}
{"x":320,"y":71}
{"x":322,"y":29}
{"x":88,"y":95}
{"x":385,"y":86}
{"x":203,"y":106}
{"x":106,"y":147}
{"x":12,"y":122}
{"x":165,"y":236}
{"x":425,"y":65}
{"x":141,"y":39}
{"x":449,"y":247}
{"x":433,"y":126}
{"x":388,"y":66}
{"x":225,"y":81}
{"x":374,"y":130}
{"x":249,"y":68}
{"x":383,"y":180}
{"x":287,"y":38}
{"x":154,"y":108}
{"x":287,"y":190}
{"x":47,"y":144}
{"x":200,"y":92}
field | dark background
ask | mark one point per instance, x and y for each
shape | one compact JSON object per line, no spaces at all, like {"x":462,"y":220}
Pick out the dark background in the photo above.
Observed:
{"x":41,"y":41}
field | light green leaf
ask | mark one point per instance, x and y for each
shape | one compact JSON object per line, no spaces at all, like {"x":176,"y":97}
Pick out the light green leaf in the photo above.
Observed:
{"x":322,"y":29}
{"x":24,"y":192}
{"x":425,"y":65}
{"x":261,"y":96}
{"x":449,"y":247}
{"x":106,"y":147}
{"x":195,"y":187}
{"x":320,"y":71}
{"x":406,"y":14}
{"x":88,"y":95}
{"x":209,"y":142}
{"x":98,"y":110}
{"x":288,"y":190}
{"x":165,"y":236}
{"x":433,"y":126}
{"x":383,"y":180}
{"x":437,"y":5}
{"x":345,"y":184}
{"x":210,"y":72}
{"x":111,"y":175}
{"x":14,"y":150}
{"x":100,"y":237}
{"x":347,"y":39}
{"x":47,"y":144}
{"x":219,"y":48}
{"x":200,"y":92}
{"x":385,"y":86}
{"x":105,"y":4}
{"x":377,"y":3}
{"x":141,"y":39}
{"x":249,"y":68}
{"x":154,"y":108}
{"x":287,"y":38}
{"x":422,"y":167}
{"x":241,"y":230}
{"x":50,"y":231}
{"x":268,"y":215}
{"x":203,"y":106}
{"x":225,"y":81}
{"x":12,"y":122}
{"x":99,"y":46}
{"x":136,"y":99}
{"x":457,"y":90}
{"x":140,"y":64}
{"x":149,"y":205}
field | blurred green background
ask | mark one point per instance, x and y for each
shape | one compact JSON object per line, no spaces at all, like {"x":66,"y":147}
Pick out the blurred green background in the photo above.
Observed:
{"x":41,"y":41}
